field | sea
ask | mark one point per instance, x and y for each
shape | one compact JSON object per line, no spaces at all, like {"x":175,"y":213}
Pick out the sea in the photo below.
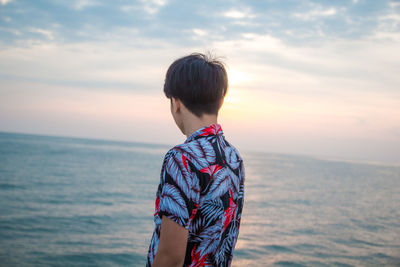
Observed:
{"x":88,"y":202}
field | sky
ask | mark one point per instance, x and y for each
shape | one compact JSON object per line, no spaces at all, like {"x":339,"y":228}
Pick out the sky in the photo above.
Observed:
{"x":306,"y":77}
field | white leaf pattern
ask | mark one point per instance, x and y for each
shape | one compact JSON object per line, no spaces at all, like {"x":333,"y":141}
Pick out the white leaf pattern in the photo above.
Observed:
{"x":226,"y":247}
{"x":178,"y":172}
{"x":172,"y":203}
{"x":220,"y":184}
{"x":210,"y":239}
{"x":232,"y":157}
{"x":194,"y":192}
{"x":200,"y":152}
{"x":212,"y":210}
{"x":223,"y":180}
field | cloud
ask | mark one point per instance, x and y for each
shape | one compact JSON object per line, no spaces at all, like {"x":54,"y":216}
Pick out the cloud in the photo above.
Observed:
{"x":394,"y":4}
{"x":12,"y":31}
{"x":388,"y":26}
{"x":82,"y":4}
{"x":48,"y":34}
{"x":326,"y":89}
{"x":338,"y":58}
{"x":239,"y":14}
{"x":153,"y":6}
{"x":4,"y":2}
{"x":112,"y":64}
{"x":314,"y":88}
{"x":316,"y":13}
{"x":389,"y":22}
{"x":199,"y":32}
{"x":129,"y":60}
{"x":163,"y":19}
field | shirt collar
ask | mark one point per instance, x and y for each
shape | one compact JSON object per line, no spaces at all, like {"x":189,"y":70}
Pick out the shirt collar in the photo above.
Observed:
{"x":212,"y":129}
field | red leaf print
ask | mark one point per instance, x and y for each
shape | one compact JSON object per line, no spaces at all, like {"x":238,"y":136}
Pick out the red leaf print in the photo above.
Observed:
{"x":157,"y":206}
{"x":212,"y":129}
{"x":184,"y":162}
{"x":196,"y":260}
{"x":194,"y":211}
{"x":230,"y":211}
{"x":211,"y":169}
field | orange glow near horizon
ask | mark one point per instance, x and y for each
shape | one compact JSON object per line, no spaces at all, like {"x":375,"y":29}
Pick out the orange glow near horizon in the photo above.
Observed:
{"x":269,"y":111}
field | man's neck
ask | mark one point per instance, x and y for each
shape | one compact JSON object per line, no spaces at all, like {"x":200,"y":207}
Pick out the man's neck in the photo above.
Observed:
{"x":192,"y":123}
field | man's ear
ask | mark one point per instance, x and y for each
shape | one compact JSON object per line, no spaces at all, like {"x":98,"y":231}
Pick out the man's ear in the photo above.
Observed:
{"x":176,"y":104}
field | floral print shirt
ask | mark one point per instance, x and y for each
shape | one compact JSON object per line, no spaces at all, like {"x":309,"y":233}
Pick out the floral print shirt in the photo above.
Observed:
{"x":202,"y":189}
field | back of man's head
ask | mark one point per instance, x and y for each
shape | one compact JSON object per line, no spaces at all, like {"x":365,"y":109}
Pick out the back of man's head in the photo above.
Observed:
{"x":199,"y":81}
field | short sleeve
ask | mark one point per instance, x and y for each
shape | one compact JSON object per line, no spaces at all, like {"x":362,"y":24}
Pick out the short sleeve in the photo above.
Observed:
{"x":176,"y":201}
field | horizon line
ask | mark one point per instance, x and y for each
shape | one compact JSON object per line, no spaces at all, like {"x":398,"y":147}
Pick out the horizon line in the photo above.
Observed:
{"x":245,"y":151}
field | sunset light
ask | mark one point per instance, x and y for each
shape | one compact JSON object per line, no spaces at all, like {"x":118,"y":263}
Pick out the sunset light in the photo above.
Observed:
{"x":287,"y":83}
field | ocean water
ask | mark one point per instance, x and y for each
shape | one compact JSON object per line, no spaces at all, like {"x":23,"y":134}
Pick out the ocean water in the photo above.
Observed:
{"x":84,"y":202}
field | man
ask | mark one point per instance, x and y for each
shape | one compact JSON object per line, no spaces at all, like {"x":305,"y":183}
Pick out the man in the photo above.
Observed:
{"x":199,"y":199}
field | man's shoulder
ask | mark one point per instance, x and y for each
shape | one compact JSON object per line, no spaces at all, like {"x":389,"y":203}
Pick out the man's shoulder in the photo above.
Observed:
{"x":189,"y":148}
{"x":200,"y":153}
{"x":176,"y":152}
{"x":232,"y":153}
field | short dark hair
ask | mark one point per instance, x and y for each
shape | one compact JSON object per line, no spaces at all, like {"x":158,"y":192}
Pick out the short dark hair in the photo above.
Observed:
{"x":199,"y":81}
